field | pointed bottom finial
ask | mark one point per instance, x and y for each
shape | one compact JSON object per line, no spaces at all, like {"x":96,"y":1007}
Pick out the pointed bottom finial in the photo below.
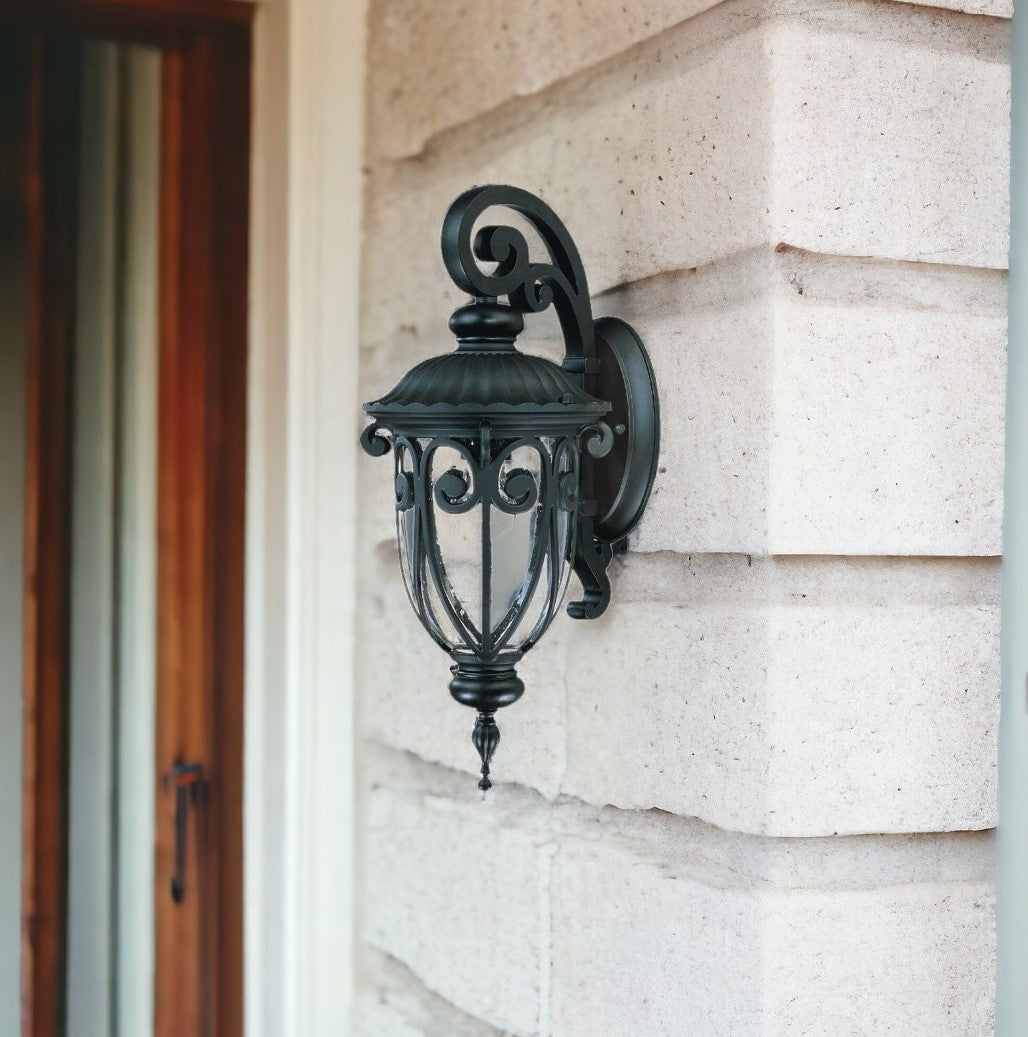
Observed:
{"x":485,"y":738}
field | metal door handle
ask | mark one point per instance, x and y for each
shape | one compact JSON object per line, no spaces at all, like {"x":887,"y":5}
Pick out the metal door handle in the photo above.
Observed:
{"x":190,"y":787}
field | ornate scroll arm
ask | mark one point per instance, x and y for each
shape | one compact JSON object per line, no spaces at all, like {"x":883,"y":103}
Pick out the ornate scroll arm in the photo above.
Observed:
{"x":373,"y":441}
{"x":531,"y":287}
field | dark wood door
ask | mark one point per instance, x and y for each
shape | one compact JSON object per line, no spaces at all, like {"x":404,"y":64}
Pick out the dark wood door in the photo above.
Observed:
{"x":49,"y":85}
{"x":201,"y":446}
{"x":202,"y":302}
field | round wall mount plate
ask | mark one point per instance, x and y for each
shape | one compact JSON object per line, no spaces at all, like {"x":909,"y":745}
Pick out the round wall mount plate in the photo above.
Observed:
{"x":622,"y":480}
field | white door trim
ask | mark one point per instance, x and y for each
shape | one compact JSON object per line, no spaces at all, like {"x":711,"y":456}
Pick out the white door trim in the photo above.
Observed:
{"x":301,"y":542}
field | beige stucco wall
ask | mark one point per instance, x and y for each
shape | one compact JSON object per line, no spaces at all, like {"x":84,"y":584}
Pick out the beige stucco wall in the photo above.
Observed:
{"x":756,"y":797}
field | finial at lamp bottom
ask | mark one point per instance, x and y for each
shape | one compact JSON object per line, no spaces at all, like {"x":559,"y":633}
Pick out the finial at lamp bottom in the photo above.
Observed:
{"x":485,"y":737}
{"x":486,"y":687}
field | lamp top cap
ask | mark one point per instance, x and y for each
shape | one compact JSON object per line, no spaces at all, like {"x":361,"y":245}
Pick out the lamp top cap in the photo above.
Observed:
{"x":485,"y":324}
{"x":488,"y":379}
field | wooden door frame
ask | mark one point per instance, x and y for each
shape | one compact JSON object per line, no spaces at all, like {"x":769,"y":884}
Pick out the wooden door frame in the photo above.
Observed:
{"x":51,"y":219}
{"x":205,"y":154}
{"x":204,"y":218}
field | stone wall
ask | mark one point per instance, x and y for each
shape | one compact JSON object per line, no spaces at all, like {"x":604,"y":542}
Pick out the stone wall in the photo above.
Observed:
{"x":756,"y":798}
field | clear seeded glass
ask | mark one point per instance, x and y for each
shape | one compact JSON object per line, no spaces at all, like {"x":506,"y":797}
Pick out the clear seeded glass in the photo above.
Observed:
{"x":513,"y":539}
{"x":459,"y":537}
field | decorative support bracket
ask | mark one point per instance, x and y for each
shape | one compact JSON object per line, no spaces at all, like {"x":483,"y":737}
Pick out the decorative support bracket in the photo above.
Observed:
{"x":607,"y":356}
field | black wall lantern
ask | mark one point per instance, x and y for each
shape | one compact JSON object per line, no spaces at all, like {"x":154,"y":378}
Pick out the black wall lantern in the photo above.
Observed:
{"x":510,"y":470}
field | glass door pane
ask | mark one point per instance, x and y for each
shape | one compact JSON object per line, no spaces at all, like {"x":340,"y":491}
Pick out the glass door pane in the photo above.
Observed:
{"x":111,"y":727}
{"x":137,"y":543}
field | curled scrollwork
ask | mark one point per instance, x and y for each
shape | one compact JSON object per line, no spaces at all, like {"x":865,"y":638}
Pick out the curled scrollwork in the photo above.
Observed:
{"x":598,"y":439}
{"x":456,"y":490}
{"x":531,"y":287}
{"x":517,"y":491}
{"x":453,"y":492}
{"x":373,"y":441}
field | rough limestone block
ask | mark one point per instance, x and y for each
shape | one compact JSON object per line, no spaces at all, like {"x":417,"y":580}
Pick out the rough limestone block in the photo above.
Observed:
{"x":654,"y":946}
{"x":994,"y":8}
{"x":392,"y":1002}
{"x":377,"y":520}
{"x":630,"y":923}
{"x":888,"y":404}
{"x":791,"y":697}
{"x":843,"y":128}
{"x":643,"y":947}
{"x":915,"y":959}
{"x":891,"y":131}
{"x":901,"y":732}
{"x":405,"y":702}
{"x":375,"y":1018}
{"x":454,"y":894}
{"x":666,"y":708}
{"x":709,"y":334}
{"x":434,"y":66}
{"x":815,"y":404}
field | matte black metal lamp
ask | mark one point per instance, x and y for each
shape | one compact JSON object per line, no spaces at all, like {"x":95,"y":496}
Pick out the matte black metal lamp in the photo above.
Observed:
{"x":510,"y":470}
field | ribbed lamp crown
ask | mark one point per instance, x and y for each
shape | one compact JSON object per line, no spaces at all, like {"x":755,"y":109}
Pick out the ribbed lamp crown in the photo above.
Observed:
{"x":487,"y":379}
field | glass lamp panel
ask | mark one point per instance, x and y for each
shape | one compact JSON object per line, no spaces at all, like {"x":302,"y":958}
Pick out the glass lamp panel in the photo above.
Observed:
{"x":513,"y":536}
{"x":434,"y":614}
{"x":552,"y":534}
{"x":535,"y":605}
{"x":457,"y":535}
{"x":414,"y":544}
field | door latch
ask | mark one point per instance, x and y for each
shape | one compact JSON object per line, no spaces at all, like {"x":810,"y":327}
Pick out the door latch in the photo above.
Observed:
{"x":190,"y":788}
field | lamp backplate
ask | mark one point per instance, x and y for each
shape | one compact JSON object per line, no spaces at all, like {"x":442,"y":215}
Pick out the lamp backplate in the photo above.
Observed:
{"x":621,"y":481}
